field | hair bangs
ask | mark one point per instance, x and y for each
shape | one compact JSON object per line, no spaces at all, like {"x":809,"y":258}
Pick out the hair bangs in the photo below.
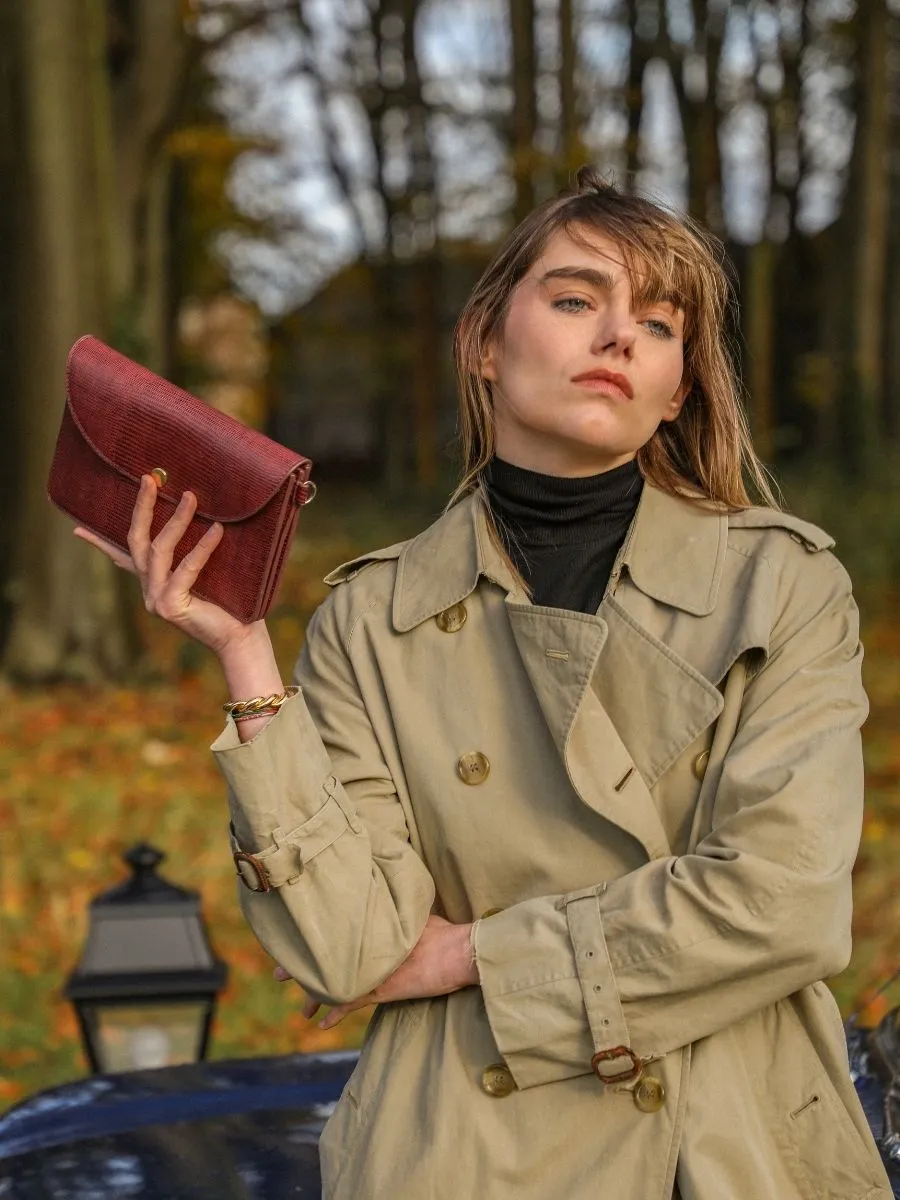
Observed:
{"x":659,"y":270}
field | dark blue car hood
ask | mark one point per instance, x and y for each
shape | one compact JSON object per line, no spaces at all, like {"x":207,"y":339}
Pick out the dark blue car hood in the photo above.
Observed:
{"x":238,"y":1130}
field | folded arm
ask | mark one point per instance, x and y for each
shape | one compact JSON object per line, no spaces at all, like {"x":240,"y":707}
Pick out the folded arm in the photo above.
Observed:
{"x":682,"y":947}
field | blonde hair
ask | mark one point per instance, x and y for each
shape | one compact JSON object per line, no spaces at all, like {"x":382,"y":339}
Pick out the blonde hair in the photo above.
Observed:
{"x":706,"y":454}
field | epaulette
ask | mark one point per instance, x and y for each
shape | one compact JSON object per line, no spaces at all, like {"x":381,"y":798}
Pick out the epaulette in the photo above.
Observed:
{"x":807,"y":534}
{"x":349,"y":570}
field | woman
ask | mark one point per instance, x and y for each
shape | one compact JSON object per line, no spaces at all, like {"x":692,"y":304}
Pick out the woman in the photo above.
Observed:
{"x":573,"y":785}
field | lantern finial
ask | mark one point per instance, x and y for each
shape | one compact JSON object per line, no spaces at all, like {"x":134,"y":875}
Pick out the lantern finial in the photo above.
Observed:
{"x":143,"y":857}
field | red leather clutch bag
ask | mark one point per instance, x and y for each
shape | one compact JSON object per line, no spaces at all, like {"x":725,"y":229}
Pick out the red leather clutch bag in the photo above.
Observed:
{"x":121,"y":421}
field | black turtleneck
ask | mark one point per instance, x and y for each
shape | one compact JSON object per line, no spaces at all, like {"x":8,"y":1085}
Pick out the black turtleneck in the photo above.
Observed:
{"x":563,"y":534}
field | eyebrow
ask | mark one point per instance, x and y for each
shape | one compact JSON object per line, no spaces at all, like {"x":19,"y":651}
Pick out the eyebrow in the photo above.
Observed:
{"x":597,"y":279}
{"x":602,"y":280}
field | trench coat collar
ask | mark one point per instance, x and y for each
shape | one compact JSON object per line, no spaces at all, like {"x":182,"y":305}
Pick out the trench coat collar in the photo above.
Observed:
{"x":674,"y":552}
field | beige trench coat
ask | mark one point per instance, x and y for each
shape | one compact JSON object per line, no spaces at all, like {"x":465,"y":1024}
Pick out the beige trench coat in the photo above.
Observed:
{"x":661,"y":803}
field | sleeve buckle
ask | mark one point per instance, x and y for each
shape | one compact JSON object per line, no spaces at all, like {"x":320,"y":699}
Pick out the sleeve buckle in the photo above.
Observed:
{"x":629,"y":1075}
{"x":251,"y":872}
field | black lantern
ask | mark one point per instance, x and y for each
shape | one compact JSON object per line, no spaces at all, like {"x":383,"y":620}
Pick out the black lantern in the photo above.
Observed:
{"x":146,"y":986}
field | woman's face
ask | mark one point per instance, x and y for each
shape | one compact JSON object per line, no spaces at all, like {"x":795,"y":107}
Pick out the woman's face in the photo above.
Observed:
{"x":581,"y":378}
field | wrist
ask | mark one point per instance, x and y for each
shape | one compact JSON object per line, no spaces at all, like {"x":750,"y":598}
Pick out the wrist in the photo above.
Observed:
{"x":247,"y":645}
{"x":249,"y":666}
{"x":250,"y":652}
{"x":468,"y":972}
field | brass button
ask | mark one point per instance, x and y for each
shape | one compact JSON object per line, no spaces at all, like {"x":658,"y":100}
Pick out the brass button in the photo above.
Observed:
{"x":161,"y":475}
{"x":452,"y":619}
{"x":490,"y":912}
{"x":473,"y":768}
{"x":497,"y":1080}
{"x":700,"y":763}
{"x":649,"y":1094}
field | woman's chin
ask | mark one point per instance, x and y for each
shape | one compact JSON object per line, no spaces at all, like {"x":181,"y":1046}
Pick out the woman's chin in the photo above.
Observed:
{"x":600,"y":445}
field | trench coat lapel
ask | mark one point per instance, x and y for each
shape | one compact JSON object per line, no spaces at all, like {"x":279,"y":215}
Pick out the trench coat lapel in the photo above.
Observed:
{"x":658,"y":702}
{"x":619,"y":703}
{"x":563,"y":654}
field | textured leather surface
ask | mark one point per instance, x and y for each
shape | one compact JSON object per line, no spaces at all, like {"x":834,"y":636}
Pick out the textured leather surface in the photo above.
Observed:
{"x":121,"y":421}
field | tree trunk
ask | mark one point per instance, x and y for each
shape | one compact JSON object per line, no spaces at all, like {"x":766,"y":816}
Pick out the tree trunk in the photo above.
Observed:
{"x":892,"y":304}
{"x":866,"y":213}
{"x":69,"y":618}
{"x":523,"y":70}
{"x":424,"y":318}
{"x":425,"y":373}
{"x":639,"y":55}
{"x":570,"y":144}
{"x":758,"y":313}
{"x":699,"y":108}
{"x":701,"y":137}
{"x":873,"y":210}
{"x":149,"y":91}
{"x":11,"y":210}
{"x":95,"y":176}
{"x":393,"y":399}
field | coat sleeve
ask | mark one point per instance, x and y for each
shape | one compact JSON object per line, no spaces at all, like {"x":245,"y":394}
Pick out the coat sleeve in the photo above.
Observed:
{"x":681,"y":947}
{"x":312,"y":798}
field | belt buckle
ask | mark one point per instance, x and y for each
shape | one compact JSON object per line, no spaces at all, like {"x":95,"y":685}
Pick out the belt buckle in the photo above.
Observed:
{"x":629,"y":1075}
{"x":241,"y":856}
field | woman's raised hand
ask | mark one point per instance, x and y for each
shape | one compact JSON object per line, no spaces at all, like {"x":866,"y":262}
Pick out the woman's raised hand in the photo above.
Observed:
{"x":167,"y":592}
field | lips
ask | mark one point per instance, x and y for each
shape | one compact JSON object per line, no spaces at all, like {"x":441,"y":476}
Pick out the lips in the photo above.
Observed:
{"x":601,"y":376}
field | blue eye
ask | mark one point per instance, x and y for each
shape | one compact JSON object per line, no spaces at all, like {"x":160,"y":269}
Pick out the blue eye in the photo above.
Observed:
{"x":659,"y":329}
{"x":570,"y":304}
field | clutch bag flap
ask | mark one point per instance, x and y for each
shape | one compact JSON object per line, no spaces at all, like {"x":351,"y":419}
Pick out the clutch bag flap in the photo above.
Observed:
{"x":122,"y":421}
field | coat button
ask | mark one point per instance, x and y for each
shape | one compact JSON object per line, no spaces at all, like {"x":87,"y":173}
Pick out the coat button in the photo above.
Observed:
{"x":452,"y":619}
{"x":497,"y":1080}
{"x":473,"y":768}
{"x":490,"y":912}
{"x":700,"y":763}
{"x":649,"y":1094}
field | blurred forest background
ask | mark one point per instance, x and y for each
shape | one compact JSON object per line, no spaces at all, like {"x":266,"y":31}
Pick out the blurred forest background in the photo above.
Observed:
{"x":281,"y":205}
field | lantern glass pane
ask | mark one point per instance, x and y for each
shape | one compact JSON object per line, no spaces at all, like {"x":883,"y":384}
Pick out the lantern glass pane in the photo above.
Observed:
{"x":141,"y":1036}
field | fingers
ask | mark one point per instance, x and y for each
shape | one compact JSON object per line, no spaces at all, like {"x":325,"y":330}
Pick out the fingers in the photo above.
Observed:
{"x":119,"y":557}
{"x":162,"y":548}
{"x":185,"y":574}
{"x":311,"y":1006}
{"x":141,"y":518}
{"x":340,"y":1011}
{"x":337,"y":1015}
{"x":168,"y":592}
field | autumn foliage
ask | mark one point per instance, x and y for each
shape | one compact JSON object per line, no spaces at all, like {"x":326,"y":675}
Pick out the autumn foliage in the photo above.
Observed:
{"x":89,"y":771}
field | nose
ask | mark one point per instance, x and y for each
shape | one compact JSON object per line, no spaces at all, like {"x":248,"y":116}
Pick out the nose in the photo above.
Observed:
{"x":615,"y":331}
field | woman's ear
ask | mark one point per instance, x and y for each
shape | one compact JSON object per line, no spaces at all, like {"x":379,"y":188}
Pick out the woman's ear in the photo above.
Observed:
{"x":677,"y":402}
{"x":487,"y":367}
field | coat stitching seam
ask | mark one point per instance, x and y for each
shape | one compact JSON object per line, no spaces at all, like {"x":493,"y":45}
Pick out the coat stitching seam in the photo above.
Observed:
{"x":530,"y":986}
{"x":356,"y":620}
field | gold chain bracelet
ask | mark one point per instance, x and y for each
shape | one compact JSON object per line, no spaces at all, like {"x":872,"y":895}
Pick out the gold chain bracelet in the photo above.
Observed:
{"x":259,"y":706}
{"x":252,"y":716}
